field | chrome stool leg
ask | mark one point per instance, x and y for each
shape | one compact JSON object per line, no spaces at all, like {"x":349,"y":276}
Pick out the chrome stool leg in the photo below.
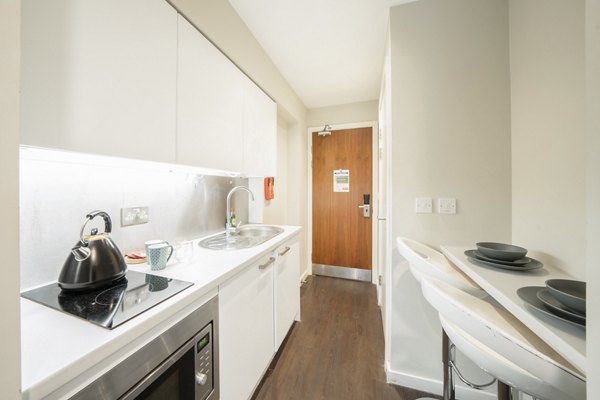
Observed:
{"x":504,"y":391}
{"x":447,"y":360}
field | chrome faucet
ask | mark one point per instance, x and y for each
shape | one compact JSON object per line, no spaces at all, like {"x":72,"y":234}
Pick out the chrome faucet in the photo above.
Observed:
{"x":229,"y":227}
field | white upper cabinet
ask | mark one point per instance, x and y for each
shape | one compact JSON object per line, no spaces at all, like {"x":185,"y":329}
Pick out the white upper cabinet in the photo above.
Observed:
{"x":210,"y":96}
{"x":135,"y":79}
{"x":260,"y":132}
{"x":224,"y":120}
{"x":100,"y":76}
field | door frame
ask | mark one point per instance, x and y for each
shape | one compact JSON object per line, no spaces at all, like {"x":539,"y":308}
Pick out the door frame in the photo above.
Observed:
{"x":374,"y":195}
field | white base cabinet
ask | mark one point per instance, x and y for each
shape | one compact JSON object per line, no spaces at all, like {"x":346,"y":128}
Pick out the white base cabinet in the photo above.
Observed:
{"x":245,"y":329}
{"x":256,"y":310}
{"x":287,"y":289}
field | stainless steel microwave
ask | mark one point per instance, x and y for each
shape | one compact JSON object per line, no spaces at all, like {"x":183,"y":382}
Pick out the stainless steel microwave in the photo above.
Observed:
{"x":182,"y":363}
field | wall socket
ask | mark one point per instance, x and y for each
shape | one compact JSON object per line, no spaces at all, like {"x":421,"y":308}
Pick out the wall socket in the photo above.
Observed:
{"x":423,"y":205}
{"x":447,"y":206}
{"x":134,"y":216}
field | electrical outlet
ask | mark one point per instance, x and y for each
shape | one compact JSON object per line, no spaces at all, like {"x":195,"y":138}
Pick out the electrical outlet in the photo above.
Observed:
{"x":447,"y":206}
{"x":423,"y":205}
{"x":134,"y":216}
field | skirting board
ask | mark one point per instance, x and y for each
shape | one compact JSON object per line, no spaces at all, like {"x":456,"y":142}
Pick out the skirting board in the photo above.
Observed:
{"x":435,"y":387}
{"x":334,"y":271}
{"x":304,"y":276}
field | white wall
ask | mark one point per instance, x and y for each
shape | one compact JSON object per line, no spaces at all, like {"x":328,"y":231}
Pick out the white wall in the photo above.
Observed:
{"x":547,"y":70}
{"x":593,"y":192}
{"x":450,"y":138}
{"x":451,"y":121}
{"x":59,"y":188}
{"x":342,"y":114}
{"x":10,"y":376}
{"x":555,"y":79}
{"x":275,"y":210}
{"x":297,"y":197}
{"x":291,"y":200}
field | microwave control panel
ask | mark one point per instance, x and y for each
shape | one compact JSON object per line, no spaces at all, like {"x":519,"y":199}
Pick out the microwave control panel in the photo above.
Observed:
{"x":204,"y":362}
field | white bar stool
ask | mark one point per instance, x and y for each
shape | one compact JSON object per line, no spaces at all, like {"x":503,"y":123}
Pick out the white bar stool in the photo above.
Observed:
{"x":501,"y":345}
{"x":427,"y":262}
{"x":423,"y":260}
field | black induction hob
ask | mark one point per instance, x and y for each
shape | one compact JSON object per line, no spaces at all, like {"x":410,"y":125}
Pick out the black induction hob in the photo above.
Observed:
{"x":112,"y":306}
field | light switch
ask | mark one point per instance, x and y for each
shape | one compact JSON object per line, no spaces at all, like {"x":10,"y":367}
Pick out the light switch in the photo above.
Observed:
{"x":423,"y":205}
{"x":447,"y":206}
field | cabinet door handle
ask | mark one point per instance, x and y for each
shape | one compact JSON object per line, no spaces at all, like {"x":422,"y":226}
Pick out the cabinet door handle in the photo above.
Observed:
{"x":284,"y":251}
{"x":265,"y":265}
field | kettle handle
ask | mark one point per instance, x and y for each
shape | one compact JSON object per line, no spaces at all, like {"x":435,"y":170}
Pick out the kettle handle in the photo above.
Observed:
{"x":91,"y":216}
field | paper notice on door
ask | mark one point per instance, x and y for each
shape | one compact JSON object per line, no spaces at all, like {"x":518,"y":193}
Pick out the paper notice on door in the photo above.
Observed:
{"x":341,"y":180}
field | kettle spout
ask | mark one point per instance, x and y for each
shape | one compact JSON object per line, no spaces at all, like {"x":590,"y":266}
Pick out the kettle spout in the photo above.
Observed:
{"x":81,"y":253}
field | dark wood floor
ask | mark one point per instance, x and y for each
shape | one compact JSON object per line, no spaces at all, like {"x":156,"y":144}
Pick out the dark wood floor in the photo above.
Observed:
{"x":337,"y":351}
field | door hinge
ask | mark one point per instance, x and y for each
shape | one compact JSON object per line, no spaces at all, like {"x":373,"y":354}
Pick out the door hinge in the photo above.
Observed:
{"x":380,"y":280}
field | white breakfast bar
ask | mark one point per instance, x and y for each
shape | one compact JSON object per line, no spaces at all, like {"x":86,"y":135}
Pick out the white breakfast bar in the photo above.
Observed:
{"x":502,"y":285}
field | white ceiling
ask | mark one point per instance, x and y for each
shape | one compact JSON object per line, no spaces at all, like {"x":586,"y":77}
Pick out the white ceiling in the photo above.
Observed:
{"x":330,"y":51}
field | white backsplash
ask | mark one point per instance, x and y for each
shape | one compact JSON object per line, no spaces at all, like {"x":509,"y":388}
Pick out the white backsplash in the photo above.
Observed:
{"x":58,"y":189}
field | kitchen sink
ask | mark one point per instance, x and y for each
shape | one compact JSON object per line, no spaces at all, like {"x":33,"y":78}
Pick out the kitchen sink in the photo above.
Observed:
{"x":222,"y":242}
{"x":244,"y":237}
{"x":258,"y":231}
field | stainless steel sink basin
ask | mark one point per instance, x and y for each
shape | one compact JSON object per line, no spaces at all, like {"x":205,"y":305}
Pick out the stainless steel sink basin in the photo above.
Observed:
{"x":258,"y":231}
{"x":244,"y":237}
{"x":222,"y":242}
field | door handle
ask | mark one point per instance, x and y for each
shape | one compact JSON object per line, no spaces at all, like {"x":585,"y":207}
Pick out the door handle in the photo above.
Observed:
{"x":265,"y":265}
{"x":366,"y":208}
{"x":284,"y":251}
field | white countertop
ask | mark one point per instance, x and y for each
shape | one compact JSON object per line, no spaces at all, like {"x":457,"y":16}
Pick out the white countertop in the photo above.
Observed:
{"x":61,"y":354}
{"x":502,"y":285}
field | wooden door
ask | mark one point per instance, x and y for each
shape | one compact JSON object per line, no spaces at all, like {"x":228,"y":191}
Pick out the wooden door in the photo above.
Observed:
{"x":341,"y":235}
